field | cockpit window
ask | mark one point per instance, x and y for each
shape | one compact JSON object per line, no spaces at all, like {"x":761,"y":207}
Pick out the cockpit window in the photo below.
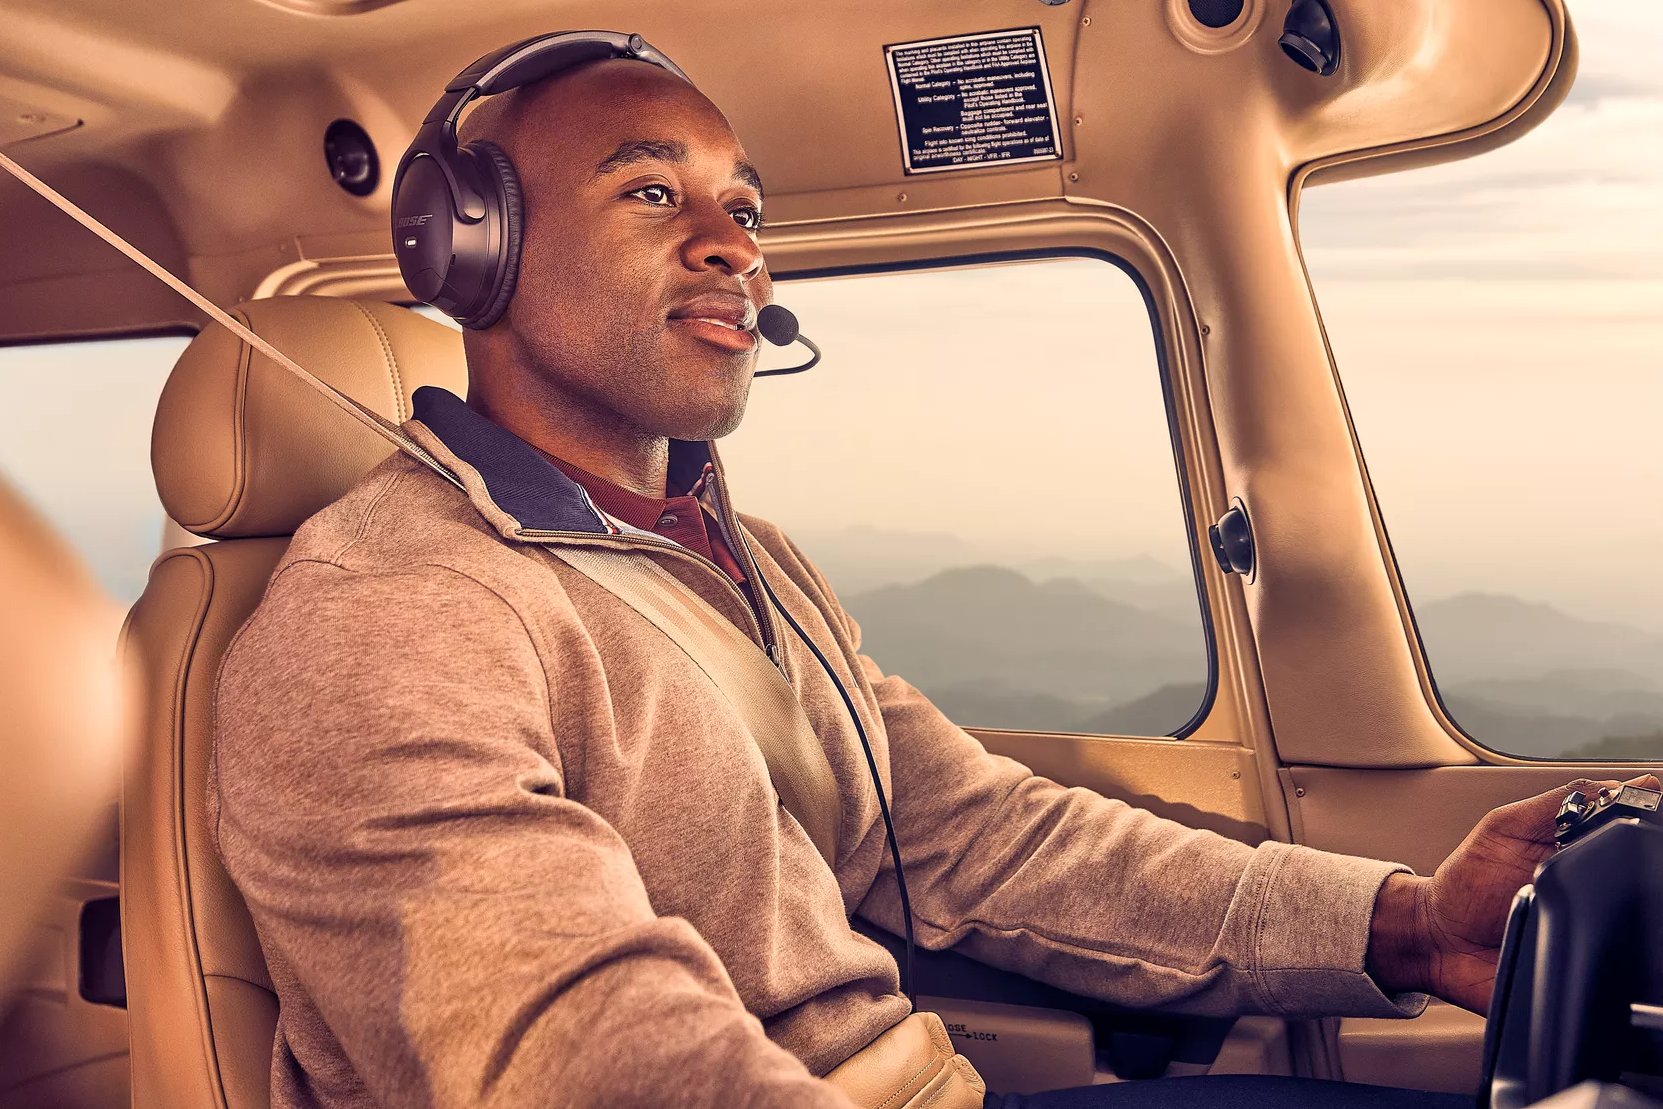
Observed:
{"x":75,"y":438}
{"x":1495,"y":323}
{"x":982,"y":468}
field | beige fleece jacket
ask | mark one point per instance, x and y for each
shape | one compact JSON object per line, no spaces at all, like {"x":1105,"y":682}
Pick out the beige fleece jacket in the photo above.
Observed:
{"x":504,"y":844}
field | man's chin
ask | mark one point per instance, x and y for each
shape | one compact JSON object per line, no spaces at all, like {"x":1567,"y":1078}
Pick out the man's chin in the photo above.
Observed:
{"x":713,"y":427}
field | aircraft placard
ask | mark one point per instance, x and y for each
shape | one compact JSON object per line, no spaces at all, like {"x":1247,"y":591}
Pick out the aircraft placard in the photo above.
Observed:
{"x":973,"y":100}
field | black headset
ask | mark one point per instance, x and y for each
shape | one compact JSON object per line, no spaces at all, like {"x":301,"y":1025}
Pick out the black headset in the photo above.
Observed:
{"x":456,"y":210}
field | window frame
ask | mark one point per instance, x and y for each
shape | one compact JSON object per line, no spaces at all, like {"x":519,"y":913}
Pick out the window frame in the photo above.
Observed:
{"x":1164,"y":369}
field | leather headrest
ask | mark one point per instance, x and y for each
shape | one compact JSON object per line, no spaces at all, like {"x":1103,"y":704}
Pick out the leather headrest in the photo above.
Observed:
{"x":241,"y":447}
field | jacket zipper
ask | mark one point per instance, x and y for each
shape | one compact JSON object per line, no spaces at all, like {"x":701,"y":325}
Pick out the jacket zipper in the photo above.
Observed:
{"x":771,"y":636}
{"x":770,"y":647}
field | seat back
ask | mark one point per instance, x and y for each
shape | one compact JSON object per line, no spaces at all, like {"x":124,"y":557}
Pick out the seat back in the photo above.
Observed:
{"x":243,"y":453}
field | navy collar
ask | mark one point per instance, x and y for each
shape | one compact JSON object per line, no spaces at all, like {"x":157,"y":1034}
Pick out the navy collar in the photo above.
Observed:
{"x":519,"y":479}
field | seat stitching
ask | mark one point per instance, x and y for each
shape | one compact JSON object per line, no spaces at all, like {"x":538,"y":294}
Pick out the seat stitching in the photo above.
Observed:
{"x":392,"y":361}
{"x":910,"y":1079}
{"x":176,"y":825}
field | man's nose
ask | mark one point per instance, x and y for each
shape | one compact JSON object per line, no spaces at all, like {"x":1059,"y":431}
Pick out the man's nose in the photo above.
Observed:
{"x":718,"y":242}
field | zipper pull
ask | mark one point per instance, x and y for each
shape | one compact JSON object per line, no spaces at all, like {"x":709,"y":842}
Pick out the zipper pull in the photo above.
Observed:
{"x":774,"y":656}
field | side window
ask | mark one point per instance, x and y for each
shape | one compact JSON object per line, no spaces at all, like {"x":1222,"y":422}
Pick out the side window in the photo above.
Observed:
{"x":1496,"y":324}
{"x":75,"y":439}
{"x":982,"y":468}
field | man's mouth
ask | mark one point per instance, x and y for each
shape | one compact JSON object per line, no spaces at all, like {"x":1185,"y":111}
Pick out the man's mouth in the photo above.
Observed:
{"x":726,"y":320}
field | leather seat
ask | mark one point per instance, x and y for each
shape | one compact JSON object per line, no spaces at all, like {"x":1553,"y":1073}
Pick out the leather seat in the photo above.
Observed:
{"x":243,"y":453}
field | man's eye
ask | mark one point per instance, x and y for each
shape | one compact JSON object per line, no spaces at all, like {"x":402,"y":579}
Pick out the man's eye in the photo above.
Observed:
{"x":748,"y":218}
{"x":656,"y":190}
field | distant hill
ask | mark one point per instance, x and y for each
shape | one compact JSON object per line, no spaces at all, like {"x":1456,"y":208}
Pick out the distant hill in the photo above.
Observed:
{"x":1535,"y":732}
{"x":860,"y":558}
{"x":991,"y":626}
{"x":988,"y":704}
{"x":1477,"y":636}
{"x":1114,"y":645}
{"x":1620,"y":748}
{"x":1529,"y":679}
{"x":1160,"y":713}
{"x":855,"y":559}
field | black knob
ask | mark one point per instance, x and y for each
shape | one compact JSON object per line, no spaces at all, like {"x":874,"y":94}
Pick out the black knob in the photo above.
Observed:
{"x":1311,"y":37}
{"x":1232,"y":541}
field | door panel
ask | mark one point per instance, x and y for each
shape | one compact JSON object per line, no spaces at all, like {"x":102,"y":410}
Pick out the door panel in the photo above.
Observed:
{"x":1416,"y":817}
{"x":1197,"y":782}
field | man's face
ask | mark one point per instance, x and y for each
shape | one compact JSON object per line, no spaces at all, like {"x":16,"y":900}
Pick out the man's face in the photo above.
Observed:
{"x":641,"y":212}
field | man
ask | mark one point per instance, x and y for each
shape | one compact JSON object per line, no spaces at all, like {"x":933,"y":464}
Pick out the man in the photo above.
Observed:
{"x":503,"y":841}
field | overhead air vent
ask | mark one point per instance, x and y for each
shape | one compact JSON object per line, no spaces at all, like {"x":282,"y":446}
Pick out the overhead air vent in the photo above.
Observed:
{"x":1216,"y":13}
{"x":1214,"y":26}
{"x":351,"y":156}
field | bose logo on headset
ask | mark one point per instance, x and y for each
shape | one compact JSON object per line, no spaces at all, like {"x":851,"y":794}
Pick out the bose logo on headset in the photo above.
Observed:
{"x":466,"y":265}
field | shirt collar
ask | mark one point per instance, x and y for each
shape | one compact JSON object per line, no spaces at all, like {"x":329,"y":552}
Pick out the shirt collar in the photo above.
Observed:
{"x":524,"y":484}
{"x":616,"y":500}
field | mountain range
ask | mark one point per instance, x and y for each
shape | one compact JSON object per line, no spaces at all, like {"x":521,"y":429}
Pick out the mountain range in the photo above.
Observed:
{"x":1115,"y":646}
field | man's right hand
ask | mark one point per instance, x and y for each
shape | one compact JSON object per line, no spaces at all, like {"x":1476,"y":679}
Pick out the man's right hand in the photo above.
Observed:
{"x":1442,"y":935}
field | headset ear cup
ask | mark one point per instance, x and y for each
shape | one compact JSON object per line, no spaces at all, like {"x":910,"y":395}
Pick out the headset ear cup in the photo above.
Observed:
{"x":496,"y":168}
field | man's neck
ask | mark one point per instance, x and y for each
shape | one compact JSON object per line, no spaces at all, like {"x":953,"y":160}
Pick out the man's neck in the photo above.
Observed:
{"x":576,"y":432}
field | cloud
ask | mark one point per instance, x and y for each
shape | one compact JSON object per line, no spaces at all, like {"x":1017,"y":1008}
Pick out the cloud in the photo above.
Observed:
{"x":1576,"y":199}
{"x":1573,"y":200}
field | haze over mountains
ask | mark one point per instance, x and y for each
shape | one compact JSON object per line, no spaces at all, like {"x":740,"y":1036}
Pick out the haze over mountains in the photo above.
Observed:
{"x":1116,"y":646}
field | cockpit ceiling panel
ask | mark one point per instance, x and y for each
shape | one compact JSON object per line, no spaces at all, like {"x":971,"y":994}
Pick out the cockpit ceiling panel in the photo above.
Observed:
{"x":220,"y":107}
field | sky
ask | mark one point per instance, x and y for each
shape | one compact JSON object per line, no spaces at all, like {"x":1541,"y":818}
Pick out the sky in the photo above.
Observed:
{"x":1497,"y":323}
{"x":1498,"y":327}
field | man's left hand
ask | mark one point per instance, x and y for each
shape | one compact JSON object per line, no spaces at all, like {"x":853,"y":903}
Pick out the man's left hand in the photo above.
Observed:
{"x":1442,"y":935}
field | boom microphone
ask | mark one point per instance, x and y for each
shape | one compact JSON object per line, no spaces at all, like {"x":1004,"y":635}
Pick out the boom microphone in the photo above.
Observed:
{"x":779,"y":327}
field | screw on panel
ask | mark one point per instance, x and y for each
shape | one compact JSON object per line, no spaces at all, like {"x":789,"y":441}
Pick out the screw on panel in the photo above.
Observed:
{"x":1235,"y":773}
{"x":1300,"y":792}
{"x":1079,"y":120}
{"x":1086,"y":22}
{"x":902,"y":197}
{"x":1073,"y":177}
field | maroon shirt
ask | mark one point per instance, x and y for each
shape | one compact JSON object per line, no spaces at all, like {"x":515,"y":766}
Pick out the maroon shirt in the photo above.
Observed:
{"x":684,"y":519}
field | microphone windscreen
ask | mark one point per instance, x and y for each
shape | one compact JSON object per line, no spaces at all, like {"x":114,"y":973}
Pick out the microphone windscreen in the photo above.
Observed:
{"x":777,"y":325}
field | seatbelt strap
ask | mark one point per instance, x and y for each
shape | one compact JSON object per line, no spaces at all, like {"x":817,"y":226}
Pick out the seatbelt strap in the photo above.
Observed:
{"x":370,"y":418}
{"x":758,"y":692}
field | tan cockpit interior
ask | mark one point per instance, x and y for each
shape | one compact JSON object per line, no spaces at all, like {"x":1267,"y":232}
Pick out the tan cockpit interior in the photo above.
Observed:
{"x":196,"y":130}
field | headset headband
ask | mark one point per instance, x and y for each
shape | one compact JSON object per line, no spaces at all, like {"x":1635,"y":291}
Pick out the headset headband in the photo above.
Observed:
{"x":514,"y":65}
{"x":456,"y":208}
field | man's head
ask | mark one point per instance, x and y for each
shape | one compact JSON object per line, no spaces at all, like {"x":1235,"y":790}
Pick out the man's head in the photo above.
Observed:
{"x":640,"y":215}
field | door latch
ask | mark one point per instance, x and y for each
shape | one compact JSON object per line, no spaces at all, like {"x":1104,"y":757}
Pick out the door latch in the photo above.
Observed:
{"x":1232,"y":540}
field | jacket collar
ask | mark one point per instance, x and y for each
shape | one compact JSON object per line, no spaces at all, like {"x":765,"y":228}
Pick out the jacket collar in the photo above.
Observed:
{"x":516,"y":480}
